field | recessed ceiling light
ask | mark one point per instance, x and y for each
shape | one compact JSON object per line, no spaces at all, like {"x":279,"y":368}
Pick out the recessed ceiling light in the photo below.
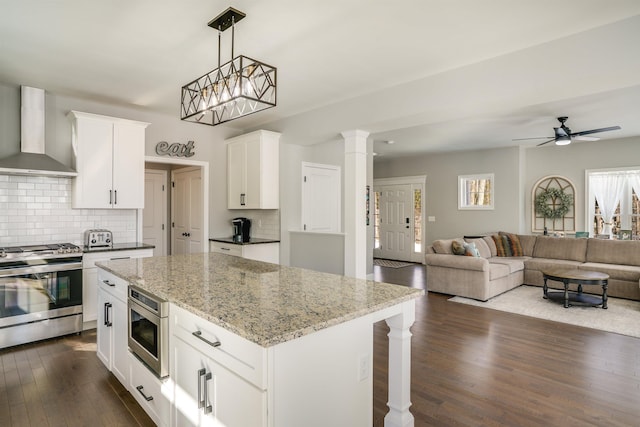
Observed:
{"x":391,"y":142}
{"x":375,"y":154}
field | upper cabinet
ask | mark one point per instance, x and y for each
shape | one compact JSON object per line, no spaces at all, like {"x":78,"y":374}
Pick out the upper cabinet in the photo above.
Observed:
{"x":253,"y":171}
{"x":109,"y":157}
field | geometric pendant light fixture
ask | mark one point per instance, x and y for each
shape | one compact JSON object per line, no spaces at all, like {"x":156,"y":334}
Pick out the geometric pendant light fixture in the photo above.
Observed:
{"x":235,"y":89}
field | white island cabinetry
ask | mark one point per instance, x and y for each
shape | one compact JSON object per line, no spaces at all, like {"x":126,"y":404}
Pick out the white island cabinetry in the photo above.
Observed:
{"x":109,"y":157}
{"x":90,"y":278}
{"x":214,"y":375}
{"x":258,"y":344}
{"x":112,"y":328}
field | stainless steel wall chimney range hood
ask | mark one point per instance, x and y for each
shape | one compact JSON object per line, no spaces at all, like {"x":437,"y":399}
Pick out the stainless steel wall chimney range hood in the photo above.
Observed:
{"x":32,"y":159}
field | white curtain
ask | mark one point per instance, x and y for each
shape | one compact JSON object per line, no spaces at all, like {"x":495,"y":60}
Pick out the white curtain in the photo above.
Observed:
{"x":608,"y":191}
{"x":634,"y":180}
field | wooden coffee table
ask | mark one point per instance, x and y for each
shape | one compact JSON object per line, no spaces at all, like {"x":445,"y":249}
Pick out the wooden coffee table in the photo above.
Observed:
{"x":580,"y":277}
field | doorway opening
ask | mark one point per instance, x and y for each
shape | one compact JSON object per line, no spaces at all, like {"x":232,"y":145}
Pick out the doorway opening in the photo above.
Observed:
{"x":192,"y":199}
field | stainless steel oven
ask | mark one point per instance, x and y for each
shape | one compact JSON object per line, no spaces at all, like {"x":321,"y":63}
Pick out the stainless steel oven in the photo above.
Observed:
{"x":148,"y":330}
{"x":40,"y":292}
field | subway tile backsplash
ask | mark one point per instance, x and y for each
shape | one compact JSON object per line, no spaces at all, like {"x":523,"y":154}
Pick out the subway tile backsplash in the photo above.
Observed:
{"x":37,"y":210}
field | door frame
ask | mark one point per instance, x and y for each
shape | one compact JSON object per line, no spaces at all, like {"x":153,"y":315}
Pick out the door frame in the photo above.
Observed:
{"x":204,"y":166}
{"x":411,"y":180}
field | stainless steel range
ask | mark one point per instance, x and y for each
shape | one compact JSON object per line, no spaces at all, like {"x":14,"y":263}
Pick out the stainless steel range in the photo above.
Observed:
{"x":40,"y":292}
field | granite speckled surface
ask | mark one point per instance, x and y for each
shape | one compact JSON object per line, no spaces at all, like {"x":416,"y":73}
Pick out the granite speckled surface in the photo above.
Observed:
{"x":264,"y":303}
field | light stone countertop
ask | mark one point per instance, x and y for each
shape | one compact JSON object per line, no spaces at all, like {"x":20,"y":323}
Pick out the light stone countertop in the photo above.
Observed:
{"x":264,"y":303}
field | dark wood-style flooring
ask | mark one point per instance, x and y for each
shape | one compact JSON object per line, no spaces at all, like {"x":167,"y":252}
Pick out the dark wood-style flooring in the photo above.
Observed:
{"x":470,"y":367}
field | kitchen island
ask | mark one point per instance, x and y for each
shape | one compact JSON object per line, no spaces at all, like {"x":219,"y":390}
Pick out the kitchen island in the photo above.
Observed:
{"x":296,"y":344}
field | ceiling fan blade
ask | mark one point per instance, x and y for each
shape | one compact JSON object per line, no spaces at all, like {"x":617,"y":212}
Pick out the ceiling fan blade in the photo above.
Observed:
{"x":536,"y":137}
{"x":546,"y":142}
{"x":587,"y":132}
{"x":585,"y":138}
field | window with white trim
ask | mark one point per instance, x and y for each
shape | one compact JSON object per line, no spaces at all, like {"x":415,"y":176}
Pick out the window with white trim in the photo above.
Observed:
{"x":614,"y":203}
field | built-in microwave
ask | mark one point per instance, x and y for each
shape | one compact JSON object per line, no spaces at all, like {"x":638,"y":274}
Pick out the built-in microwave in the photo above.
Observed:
{"x":148,"y":330}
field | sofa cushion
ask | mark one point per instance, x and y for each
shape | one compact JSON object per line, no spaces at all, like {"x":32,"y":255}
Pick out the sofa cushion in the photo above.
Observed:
{"x":482,"y":247}
{"x":514,"y":264}
{"x":497,"y":271}
{"x":443,"y":246}
{"x":491,"y":244}
{"x":629,"y":273}
{"x":527,"y":242}
{"x":613,"y":251}
{"x":542,"y":264}
{"x":560,"y":248}
{"x":500,"y":249}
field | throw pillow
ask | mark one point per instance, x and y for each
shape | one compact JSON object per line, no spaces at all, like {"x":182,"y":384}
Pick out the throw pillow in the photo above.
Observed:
{"x":512,"y":243}
{"x":471,"y":250}
{"x":457,"y":247}
{"x":497,"y":239}
{"x":506,"y":245}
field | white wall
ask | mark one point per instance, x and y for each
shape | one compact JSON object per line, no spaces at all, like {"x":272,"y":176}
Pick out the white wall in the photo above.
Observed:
{"x":441,"y":192}
{"x":516,"y":171}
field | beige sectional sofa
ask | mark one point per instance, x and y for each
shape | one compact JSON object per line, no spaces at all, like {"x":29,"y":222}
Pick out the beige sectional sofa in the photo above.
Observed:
{"x":489,"y":275}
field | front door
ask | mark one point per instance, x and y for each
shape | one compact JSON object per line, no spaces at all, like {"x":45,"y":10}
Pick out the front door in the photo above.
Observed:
{"x":186,"y":211}
{"x":395,"y":222}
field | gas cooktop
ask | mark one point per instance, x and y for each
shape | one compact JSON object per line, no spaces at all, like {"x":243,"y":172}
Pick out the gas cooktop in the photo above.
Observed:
{"x":52,"y":250}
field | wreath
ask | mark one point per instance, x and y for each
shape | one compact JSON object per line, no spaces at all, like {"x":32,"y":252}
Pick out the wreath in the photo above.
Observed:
{"x":565,"y":201}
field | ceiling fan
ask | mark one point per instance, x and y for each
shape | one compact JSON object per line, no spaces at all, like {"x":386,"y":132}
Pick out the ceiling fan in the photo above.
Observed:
{"x":564,"y":136}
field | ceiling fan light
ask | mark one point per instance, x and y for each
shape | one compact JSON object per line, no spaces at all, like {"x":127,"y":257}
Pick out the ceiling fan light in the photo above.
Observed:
{"x":565,"y":140}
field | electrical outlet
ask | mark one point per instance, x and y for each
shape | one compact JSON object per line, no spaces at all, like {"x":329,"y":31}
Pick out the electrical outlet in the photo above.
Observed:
{"x":364,"y":366}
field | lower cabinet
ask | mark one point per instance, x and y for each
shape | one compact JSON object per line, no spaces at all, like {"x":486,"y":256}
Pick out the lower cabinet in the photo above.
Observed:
{"x":266,"y":252}
{"x":207,"y":394}
{"x":153,"y":394}
{"x":112,"y":329}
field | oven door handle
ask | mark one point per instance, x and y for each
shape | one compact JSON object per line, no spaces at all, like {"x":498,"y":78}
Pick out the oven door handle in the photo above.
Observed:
{"x":198,"y":334}
{"x":107,"y":321}
{"x":46,"y":268}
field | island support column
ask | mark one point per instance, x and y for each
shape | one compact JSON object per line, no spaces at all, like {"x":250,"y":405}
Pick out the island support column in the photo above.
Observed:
{"x":400,"y":367}
{"x":355,"y":190}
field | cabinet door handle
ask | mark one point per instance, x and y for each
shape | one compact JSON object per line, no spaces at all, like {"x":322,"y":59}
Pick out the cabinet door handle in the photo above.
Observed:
{"x":198,"y":334}
{"x":201,"y":373}
{"x":147,"y":398}
{"x":107,"y":320}
{"x":225,"y":249}
{"x":108,"y":283}
{"x":207,"y":408}
{"x":115,"y":197}
{"x":242,"y":197}
{"x":110,"y":197}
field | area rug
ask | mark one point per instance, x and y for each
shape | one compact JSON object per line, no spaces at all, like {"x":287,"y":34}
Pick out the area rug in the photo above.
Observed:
{"x":390,"y":263}
{"x":621,"y":317}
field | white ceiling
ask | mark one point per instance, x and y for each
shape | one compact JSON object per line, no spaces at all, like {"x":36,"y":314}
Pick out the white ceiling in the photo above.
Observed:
{"x":432,"y":75}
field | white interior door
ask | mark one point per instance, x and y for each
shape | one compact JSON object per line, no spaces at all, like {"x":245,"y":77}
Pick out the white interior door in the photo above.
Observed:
{"x":154,"y":214}
{"x":186,"y":211}
{"x":396,"y":222}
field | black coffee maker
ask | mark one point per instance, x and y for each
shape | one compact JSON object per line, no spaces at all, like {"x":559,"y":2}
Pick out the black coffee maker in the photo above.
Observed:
{"x":241,"y":229}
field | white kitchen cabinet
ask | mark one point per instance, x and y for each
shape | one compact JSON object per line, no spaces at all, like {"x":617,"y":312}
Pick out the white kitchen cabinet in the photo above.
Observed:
{"x":253,"y":171}
{"x":112,"y":328}
{"x":266,"y":252}
{"x":152,"y":393}
{"x":90,"y":279}
{"x":218,"y":376}
{"x":109,"y":158}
